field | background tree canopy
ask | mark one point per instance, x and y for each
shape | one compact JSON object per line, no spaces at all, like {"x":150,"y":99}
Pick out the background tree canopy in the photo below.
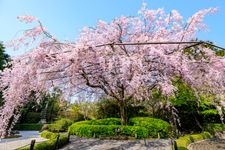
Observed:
{"x":4,"y":59}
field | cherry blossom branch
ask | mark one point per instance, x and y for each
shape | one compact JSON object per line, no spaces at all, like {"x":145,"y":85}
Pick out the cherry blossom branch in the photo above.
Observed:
{"x":159,"y":43}
{"x":46,"y":33}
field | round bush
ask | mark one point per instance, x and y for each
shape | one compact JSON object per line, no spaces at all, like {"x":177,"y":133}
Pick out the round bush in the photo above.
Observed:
{"x":48,"y":135}
{"x":140,"y":127}
{"x":153,"y":125}
{"x":60,"y":125}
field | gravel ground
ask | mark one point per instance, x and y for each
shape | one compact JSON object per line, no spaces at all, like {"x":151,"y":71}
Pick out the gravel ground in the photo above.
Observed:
{"x":25,"y":139}
{"x":97,"y":144}
{"x":210,"y":144}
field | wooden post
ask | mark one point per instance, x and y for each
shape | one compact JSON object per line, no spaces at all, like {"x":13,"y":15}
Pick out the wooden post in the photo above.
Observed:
{"x":145,"y":142}
{"x":32,"y":143}
{"x":174,"y":144}
{"x":68,"y":137}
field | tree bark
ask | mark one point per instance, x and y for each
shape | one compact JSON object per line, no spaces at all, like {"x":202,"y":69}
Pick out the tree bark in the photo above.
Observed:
{"x":9,"y":125}
{"x":123,"y":112}
{"x":197,"y":122}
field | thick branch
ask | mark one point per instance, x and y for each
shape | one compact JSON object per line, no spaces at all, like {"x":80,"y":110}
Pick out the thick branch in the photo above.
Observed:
{"x":93,"y":85}
{"x":158,"y":43}
{"x":147,"y":43}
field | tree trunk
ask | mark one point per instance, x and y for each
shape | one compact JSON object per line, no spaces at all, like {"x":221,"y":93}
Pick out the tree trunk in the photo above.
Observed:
{"x":123,"y":112}
{"x":197,"y":122}
{"x":9,"y":125}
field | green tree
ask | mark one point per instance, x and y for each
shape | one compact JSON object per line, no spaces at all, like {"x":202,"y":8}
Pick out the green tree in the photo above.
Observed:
{"x":50,"y":105}
{"x":187,"y":104}
{"x":47,"y":109}
{"x":4,"y":59}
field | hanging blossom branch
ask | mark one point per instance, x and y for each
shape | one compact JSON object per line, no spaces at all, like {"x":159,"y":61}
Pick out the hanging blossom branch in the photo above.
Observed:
{"x":123,"y":67}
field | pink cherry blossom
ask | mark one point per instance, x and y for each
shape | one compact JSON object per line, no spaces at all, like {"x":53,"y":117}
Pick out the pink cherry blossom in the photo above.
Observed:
{"x":123,"y":72}
{"x":27,"y":19}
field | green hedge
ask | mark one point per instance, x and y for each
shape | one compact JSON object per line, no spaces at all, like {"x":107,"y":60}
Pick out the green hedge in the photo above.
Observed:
{"x":139,"y":127}
{"x":214,"y":127}
{"x":33,"y":126}
{"x":184,"y":141}
{"x":107,"y":121}
{"x":97,"y":131}
{"x":50,"y":144}
{"x":48,"y":135}
{"x":134,"y":131}
{"x":211,"y":129}
{"x":63,"y":140}
{"x":154,"y":126}
{"x":59,"y":125}
{"x":31,"y":117}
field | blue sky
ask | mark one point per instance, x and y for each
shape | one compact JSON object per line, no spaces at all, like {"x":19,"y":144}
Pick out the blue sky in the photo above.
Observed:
{"x":66,"y":18}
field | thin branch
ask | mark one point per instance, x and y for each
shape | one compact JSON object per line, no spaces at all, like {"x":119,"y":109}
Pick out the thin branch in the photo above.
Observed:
{"x":45,"y":32}
{"x":196,"y":44}
{"x":185,"y":29}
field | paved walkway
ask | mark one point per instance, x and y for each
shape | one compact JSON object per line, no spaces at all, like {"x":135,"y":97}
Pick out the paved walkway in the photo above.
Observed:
{"x":97,"y":144}
{"x":25,"y":139}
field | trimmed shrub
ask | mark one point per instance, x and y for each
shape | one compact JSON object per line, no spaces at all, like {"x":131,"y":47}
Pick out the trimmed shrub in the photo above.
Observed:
{"x":107,"y":121}
{"x":63,"y":139}
{"x":140,"y":127}
{"x":53,"y":127}
{"x":33,"y":126}
{"x":134,"y":131}
{"x":153,"y":125}
{"x":48,"y":135}
{"x":65,"y":123}
{"x":51,"y":143}
{"x":87,"y":122}
{"x":85,"y":130}
{"x":184,"y":141}
{"x":214,"y":127}
{"x":46,"y":145}
{"x":59,"y":125}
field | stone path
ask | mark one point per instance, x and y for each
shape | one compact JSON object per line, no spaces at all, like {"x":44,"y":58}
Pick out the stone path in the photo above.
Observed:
{"x":97,"y":144}
{"x":25,"y":139}
{"x":210,"y":144}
